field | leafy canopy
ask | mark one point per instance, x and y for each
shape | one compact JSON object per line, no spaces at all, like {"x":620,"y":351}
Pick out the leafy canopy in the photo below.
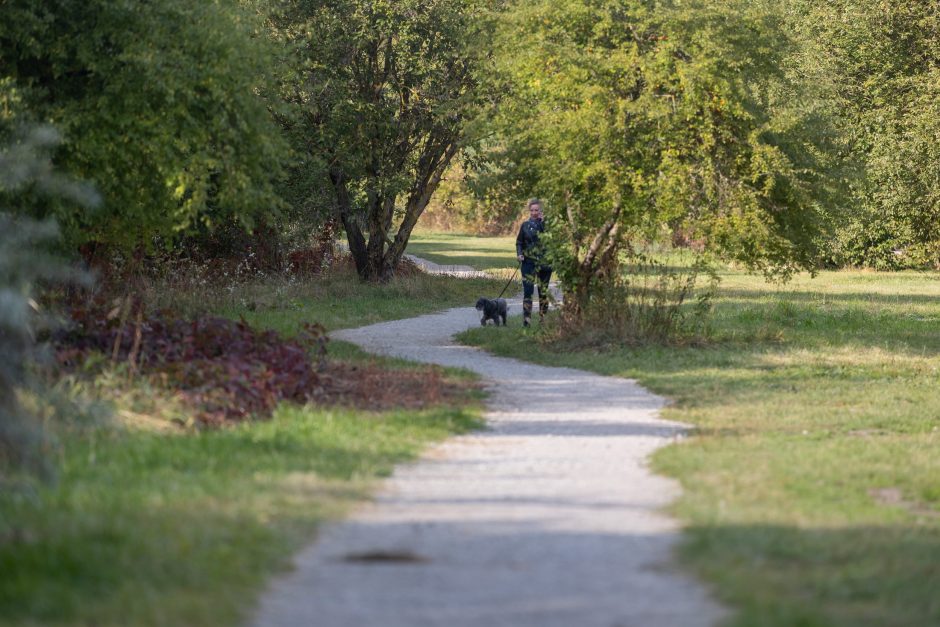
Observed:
{"x":157,"y":105}
{"x":633,"y":116}
{"x":880,"y":62}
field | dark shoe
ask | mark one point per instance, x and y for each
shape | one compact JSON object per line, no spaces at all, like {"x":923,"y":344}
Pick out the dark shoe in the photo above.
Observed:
{"x":525,"y":321}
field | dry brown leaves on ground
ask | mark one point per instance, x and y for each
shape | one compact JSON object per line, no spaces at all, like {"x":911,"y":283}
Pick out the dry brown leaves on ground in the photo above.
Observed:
{"x":373,"y":387}
{"x":227,"y":371}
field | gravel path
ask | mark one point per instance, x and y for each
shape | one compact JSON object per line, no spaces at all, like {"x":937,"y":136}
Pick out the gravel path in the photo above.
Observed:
{"x":464,"y":272}
{"x":548,"y":518}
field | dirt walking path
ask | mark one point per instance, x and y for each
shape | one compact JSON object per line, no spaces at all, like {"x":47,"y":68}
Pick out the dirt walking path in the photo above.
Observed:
{"x":548,"y":518}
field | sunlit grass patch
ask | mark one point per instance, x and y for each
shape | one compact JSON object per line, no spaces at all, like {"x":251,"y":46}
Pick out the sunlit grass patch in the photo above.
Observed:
{"x":492,"y":254}
{"x":811,"y":480}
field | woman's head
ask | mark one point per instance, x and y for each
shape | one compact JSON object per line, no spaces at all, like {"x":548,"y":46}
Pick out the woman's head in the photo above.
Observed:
{"x":535,"y":208}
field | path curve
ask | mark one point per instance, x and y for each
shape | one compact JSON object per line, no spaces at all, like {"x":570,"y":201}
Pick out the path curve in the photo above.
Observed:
{"x":461,"y":272}
{"x":549,"y":517}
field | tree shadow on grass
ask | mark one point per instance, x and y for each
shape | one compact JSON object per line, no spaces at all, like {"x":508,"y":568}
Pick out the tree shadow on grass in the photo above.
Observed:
{"x":854,"y":575}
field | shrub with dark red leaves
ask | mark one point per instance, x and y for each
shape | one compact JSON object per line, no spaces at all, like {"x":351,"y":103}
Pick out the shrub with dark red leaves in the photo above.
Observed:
{"x":227,"y":369}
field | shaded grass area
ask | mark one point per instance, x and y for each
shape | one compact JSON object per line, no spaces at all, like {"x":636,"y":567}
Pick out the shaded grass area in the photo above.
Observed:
{"x":480,"y":253}
{"x":812,"y":482}
{"x":151,"y":524}
{"x":149,"y":528}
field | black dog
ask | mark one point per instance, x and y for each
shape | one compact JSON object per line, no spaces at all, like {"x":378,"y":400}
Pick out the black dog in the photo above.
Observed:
{"x":492,"y":310}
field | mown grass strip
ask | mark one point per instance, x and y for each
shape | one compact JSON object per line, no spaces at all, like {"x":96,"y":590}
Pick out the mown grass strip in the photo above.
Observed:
{"x":812,"y":482}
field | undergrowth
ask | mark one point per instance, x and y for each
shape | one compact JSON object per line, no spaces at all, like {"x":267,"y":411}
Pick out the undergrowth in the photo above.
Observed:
{"x":225,"y":370}
{"x":644,"y":301}
{"x":336,"y":299}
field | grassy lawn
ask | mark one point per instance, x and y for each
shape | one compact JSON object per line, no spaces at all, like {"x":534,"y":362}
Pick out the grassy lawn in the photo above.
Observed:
{"x":149,"y":524}
{"x":482,"y":253}
{"x":812,"y":482}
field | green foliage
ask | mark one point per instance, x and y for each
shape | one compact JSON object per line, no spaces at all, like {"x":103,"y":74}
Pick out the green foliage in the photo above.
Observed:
{"x":632,"y":116}
{"x":881,"y":63}
{"x":379,"y":95}
{"x":157,"y":105}
{"x":467,"y":202}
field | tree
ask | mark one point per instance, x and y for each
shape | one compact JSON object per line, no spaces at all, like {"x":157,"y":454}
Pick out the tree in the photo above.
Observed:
{"x":633,"y":116}
{"x":881,"y":63}
{"x":380,"y":97}
{"x":25,"y":261}
{"x":157,"y":105}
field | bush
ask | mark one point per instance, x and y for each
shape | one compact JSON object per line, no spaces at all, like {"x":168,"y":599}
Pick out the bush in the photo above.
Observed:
{"x":645,"y":301}
{"x":158,"y":105}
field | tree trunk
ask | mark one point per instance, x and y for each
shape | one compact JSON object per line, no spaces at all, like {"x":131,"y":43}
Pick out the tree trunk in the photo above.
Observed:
{"x":591,"y":263}
{"x":355,"y":239}
{"x":431,"y":169}
{"x":578,"y":295}
{"x":377,"y":259}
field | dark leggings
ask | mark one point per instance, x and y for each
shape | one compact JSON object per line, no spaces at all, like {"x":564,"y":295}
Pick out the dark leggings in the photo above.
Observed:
{"x":533,"y":275}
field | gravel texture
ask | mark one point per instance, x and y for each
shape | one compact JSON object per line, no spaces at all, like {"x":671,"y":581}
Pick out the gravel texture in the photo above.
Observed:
{"x":549,"y":517}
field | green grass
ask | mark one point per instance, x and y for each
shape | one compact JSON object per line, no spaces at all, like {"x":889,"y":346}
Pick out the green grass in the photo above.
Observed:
{"x":812,"y":482}
{"x":151,"y":525}
{"x":492,"y":254}
{"x":157,"y":528}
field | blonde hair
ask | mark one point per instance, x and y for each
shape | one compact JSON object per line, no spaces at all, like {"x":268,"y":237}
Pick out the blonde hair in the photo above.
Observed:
{"x":533,"y":201}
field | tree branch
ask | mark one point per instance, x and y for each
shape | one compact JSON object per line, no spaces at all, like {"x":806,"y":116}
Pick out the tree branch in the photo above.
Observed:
{"x":610,"y":228}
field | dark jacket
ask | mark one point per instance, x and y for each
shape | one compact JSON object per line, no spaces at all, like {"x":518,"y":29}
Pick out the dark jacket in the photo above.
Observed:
{"x":527,"y":242}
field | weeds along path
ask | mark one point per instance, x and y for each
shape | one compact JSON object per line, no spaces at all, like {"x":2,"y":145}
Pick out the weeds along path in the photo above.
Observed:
{"x":547,"y":518}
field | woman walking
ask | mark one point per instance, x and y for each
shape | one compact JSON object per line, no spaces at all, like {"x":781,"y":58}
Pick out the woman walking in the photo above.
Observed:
{"x":535,"y":270}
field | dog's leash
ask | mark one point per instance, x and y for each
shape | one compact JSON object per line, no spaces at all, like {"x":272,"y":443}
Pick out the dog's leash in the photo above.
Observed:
{"x":505,"y":287}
